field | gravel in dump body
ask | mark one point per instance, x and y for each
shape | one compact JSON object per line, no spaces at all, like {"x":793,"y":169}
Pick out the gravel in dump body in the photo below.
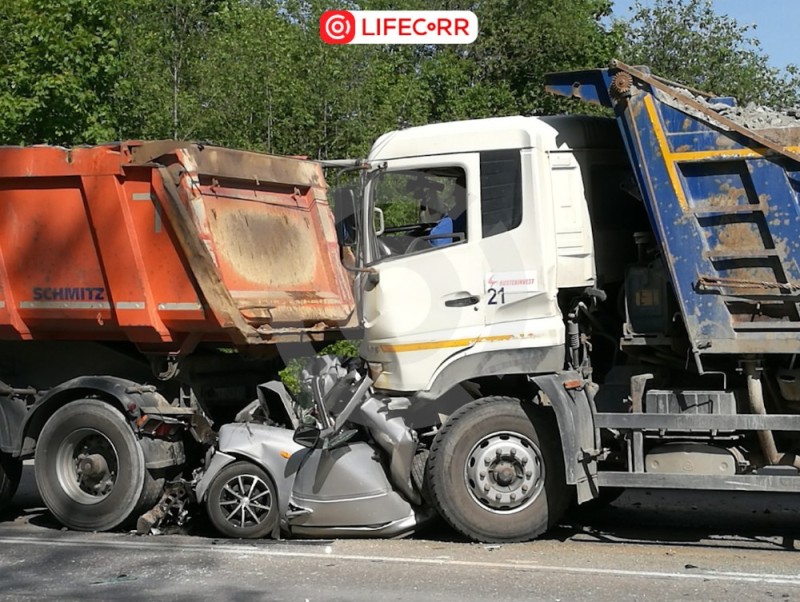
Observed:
{"x":756,"y":117}
{"x":782,"y":126}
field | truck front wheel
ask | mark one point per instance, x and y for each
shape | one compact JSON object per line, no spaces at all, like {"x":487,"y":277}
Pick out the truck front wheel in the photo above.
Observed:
{"x":90,"y":468}
{"x":496,"y":472}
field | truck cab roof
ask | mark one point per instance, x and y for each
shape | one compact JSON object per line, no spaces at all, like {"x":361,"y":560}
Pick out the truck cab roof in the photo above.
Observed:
{"x":551,"y":133}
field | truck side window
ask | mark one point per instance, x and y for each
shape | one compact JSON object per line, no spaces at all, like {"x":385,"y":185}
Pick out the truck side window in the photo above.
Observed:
{"x":501,"y":191}
{"x":423,"y":209}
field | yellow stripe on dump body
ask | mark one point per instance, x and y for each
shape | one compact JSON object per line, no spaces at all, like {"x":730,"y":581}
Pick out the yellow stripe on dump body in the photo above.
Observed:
{"x":663,"y":145}
{"x":734,"y":153}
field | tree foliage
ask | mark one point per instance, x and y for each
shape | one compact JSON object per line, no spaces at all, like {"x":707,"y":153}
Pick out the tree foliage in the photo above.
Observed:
{"x":59,"y":65}
{"x":686,"y":41}
{"x":522,"y":40}
{"x":163,"y":49}
{"x":254,"y":73}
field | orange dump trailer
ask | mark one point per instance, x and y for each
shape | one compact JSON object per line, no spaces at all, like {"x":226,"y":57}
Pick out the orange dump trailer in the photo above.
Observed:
{"x":166,"y":245}
{"x":145,"y":286}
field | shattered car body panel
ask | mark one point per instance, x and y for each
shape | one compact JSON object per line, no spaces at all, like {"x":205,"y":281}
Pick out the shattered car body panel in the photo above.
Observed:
{"x":345,"y":491}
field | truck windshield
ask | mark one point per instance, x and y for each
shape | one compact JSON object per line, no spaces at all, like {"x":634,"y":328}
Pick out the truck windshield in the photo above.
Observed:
{"x":421,"y":210}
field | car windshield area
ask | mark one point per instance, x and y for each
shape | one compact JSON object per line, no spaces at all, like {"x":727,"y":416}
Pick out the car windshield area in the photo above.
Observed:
{"x":419,"y":210}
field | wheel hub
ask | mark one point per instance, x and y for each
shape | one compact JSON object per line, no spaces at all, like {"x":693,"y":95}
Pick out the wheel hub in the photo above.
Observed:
{"x":92,"y":465}
{"x":245,"y":501}
{"x":87,"y":465}
{"x":504,"y":472}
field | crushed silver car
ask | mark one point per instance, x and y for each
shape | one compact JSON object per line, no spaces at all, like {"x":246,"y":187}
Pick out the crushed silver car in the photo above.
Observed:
{"x":348,"y":465}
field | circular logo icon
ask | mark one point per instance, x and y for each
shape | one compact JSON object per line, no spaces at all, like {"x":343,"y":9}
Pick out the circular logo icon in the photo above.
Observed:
{"x":337,"y":27}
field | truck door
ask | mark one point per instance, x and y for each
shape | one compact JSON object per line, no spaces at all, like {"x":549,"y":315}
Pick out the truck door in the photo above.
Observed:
{"x":518,"y":251}
{"x":424,"y":302}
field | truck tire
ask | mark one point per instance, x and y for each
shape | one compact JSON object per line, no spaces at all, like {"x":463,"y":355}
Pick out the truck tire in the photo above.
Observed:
{"x":496,"y":471}
{"x":10,"y":474}
{"x":242,"y":501}
{"x":90,"y":468}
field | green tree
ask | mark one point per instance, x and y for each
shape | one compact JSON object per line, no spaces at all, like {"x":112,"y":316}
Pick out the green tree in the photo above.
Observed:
{"x":255,"y":74}
{"x":459,"y":89}
{"x":243,"y":79}
{"x":686,"y":41}
{"x":163,"y":47}
{"x":268,"y":82}
{"x":522,"y":40}
{"x":59,"y":65}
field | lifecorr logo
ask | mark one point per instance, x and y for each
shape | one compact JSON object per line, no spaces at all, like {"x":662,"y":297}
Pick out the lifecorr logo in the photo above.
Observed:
{"x":337,"y":27}
{"x":398,"y":27}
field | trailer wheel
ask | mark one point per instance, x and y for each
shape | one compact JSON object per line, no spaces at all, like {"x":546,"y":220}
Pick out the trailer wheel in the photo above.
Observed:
{"x":90,"y":468}
{"x":496,"y":472}
{"x":10,"y":474}
{"x":242,"y":501}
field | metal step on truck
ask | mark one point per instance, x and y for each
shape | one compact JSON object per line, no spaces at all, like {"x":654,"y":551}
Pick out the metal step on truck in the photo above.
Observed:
{"x":552,"y":307}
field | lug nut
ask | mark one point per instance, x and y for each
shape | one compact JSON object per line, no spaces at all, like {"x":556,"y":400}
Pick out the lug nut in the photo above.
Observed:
{"x":524,"y":460}
{"x":483,"y":475}
{"x":529,"y":474}
{"x":513,"y":496}
{"x":498,"y":497}
{"x":486,"y":488}
{"x":524,"y":488}
{"x":513,"y":452}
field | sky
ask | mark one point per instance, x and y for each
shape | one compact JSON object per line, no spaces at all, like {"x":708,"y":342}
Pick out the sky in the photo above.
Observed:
{"x":776,"y":23}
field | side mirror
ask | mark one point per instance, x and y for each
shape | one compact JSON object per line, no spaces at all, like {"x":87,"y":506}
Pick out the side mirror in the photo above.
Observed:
{"x":378,"y":224}
{"x":306,"y":435}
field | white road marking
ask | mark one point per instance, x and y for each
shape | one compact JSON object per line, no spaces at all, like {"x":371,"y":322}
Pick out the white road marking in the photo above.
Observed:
{"x":255,"y":550}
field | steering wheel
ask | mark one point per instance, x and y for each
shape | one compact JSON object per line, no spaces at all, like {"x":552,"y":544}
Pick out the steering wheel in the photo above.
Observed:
{"x":418,"y":244}
{"x":408,"y":229}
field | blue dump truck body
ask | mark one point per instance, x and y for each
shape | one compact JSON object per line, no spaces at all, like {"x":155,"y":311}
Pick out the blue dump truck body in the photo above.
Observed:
{"x":723,"y":200}
{"x":703,"y":386}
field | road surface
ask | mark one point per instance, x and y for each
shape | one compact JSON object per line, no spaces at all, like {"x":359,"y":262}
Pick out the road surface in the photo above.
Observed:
{"x":646,"y":546}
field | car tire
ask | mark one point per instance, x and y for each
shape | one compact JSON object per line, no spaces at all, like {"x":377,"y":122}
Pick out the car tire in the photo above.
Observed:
{"x":242,"y":501}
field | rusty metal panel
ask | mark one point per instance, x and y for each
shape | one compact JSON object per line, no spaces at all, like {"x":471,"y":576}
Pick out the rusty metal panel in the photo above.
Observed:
{"x":73,"y":267}
{"x":267,"y":226}
{"x":723,"y":200}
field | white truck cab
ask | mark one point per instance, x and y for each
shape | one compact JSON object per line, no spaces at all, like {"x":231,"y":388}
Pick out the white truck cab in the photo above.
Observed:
{"x":483,"y":301}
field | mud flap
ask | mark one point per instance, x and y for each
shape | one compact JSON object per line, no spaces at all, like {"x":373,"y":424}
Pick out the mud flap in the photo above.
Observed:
{"x":567,"y":392}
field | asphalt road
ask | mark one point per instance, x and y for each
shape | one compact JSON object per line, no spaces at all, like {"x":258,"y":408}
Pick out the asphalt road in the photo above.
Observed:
{"x":646,"y":546}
